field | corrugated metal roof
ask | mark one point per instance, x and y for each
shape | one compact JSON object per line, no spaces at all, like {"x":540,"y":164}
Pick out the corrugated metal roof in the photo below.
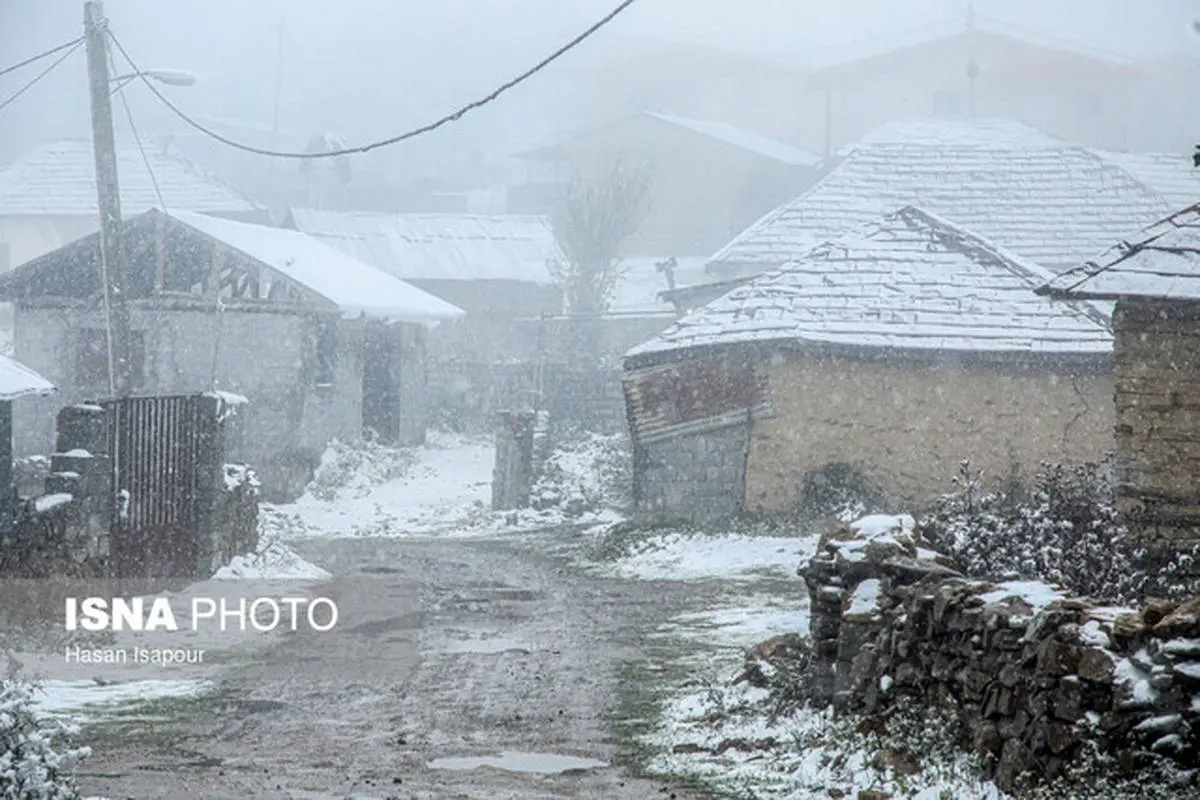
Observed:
{"x":1162,"y":261}
{"x":1049,"y":201}
{"x":354,"y":287}
{"x":743,"y":139}
{"x":59,"y":179}
{"x":911,"y":280}
{"x":18,"y":380}
{"x":440,"y":246}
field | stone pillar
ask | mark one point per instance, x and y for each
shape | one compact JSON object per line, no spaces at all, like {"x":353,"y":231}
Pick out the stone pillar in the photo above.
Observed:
{"x":512,"y":477}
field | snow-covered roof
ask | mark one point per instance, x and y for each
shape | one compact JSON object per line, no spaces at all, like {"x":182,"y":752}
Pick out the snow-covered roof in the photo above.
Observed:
{"x":1047,"y":200}
{"x":911,"y":280}
{"x":18,"y":380}
{"x":1172,"y":175}
{"x":351,"y":285}
{"x":59,"y":179}
{"x":743,"y":139}
{"x":460,"y":247}
{"x":1162,"y":261}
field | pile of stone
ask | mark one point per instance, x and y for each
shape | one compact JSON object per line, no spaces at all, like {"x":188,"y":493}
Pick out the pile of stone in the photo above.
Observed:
{"x":1032,"y":675}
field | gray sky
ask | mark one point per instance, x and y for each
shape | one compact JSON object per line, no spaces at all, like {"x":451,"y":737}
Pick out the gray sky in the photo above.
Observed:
{"x":366,"y":68}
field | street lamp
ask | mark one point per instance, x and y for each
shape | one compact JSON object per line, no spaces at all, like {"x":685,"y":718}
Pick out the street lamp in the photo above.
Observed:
{"x":170,"y":77}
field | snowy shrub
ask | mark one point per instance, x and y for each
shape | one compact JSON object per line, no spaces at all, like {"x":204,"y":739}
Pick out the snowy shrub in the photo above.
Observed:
{"x":35,"y":754}
{"x":358,"y":467}
{"x":1065,"y":531}
{"x":591,"y":473}
{"x":1096,"y":776}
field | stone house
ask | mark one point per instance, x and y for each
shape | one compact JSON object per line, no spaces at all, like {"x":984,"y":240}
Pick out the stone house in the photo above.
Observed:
{"x":323,"y":346}
{"x":1047,"y":200}
{"x":1155,"y":281}
{"x":892,"y":354}
{"x":48,"y":195}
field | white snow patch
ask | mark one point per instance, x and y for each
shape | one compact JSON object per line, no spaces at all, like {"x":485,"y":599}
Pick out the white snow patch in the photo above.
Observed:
{"x":86,"y":699}
{"x":508,"y":761}
{"x":877,"y":525}
{"x":1036,"y":594}
{"x":743,"y":625}
{"x":273,"y":561}
{"x":680,"y":557}
{"x":1127,"y":674}
{"x":78,"y":452}
{"x":49,"y":502}
{"x":865,"y":599}
{"x":1092,"y":634}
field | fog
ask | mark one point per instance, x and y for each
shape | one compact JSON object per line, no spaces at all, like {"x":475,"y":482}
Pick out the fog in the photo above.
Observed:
{"x":367,"y":68}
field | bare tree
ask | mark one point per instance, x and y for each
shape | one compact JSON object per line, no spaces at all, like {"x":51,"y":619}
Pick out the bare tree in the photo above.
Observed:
{"x":598,"y":213}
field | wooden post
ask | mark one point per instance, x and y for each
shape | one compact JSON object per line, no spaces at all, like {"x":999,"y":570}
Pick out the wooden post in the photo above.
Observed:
{"x":108,"y":197}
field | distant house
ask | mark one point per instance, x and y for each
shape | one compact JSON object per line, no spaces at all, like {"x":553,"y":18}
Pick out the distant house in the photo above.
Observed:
{"x":1051,"y":202}
{"x":1154,"y":277}
{"x":48,"y":195}
{"x":709,"y":179}
{"x":890,"y":354}
{"x":982,"y":68}
{"x":16,"y":381}
{"x":322,"y":345}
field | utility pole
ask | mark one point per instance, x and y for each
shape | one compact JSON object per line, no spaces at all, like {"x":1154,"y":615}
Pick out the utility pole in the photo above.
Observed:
{"x":108,"y":195}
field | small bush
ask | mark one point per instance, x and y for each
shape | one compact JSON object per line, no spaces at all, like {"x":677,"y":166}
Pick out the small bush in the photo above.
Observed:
{"x":35,"y":757}
{"x":589,"y":473}
{"x":358,"y":467}
{"x":1065,"y":531}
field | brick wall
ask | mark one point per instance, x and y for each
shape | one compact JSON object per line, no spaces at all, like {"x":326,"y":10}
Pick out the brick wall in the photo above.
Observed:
{"x":906,"y":424}
{"x":1157,"y":366}
{"x":697,"y":477}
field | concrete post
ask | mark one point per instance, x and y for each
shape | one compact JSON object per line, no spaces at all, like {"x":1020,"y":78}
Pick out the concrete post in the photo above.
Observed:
{"x":512,"y":477}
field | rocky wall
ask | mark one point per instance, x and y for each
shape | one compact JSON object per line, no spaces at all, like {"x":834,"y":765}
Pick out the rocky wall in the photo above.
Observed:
{"x":1033,"y":676}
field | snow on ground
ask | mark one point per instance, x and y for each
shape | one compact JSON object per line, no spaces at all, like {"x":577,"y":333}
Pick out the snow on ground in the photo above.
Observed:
{"x":84,"y":700}
{"x":273,"y":561}
{"x":685,"y":557}
{"x":445,"y":487}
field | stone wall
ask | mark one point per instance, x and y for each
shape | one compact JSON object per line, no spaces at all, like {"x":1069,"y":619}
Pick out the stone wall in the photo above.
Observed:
{"x":1031,"y":675}
{"x":919,"y":418}
{"x":1157,"y":365}
{"x":697,"y":477}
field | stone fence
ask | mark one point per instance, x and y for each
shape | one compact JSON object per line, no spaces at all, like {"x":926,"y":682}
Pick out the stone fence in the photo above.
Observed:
{"x":1033,"y":676}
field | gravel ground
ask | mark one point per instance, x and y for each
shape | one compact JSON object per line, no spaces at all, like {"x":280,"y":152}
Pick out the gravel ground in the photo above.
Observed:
{"x":444,"y":649}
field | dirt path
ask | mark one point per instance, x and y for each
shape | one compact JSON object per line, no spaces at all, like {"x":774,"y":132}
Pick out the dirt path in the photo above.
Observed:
{"x":443,"y":649}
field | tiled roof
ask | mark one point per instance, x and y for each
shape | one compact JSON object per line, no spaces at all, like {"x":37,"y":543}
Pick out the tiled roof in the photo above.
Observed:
{"x":911,"y":280}
{"x":1051,"y":202}
{"x":440,"y":246}
{"x":59,"y":179}
{"x":742,"y":139}
{"x":1172,"y":175}
{"x":1162,"y":261}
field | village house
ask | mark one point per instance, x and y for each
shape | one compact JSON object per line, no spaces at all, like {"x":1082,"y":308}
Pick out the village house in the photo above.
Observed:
{"x":979,"y":67}
{"x":1154,"y":279}
{"x":322,"y":345}
{"x":497,"y":268}
{"x":708,"y":179}
{"x":891,"y":354}
{"x":1049,"y":201}
{"x":48,"y":195}
{"x":16,"y":381}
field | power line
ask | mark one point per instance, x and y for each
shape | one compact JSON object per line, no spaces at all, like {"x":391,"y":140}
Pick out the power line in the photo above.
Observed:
{"x":39,"y":56}
{"x":432,"y":126}
{"x":12,"y":98}
{"x":138,"y":139}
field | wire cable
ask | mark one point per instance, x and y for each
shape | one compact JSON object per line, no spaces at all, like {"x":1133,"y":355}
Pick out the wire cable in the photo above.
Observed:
{"x":138,"y":139}
{"x":39,"y":56}
{"x":411,"y":134}
{"x":13,"y":97}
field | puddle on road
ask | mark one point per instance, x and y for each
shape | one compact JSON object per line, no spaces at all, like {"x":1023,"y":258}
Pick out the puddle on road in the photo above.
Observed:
{"x":481,"y":641}
{"x":539,"y":763}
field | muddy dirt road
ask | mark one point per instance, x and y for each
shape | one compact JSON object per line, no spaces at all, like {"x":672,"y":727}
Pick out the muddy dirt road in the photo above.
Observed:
{"x":444,"y":649}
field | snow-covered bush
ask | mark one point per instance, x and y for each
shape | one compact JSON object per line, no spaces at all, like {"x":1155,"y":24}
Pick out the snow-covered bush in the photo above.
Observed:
{"x":357,"y":467}
{"x":589,"y":473}
{"x":1065,"y":530}
{"x":35,"y":754}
